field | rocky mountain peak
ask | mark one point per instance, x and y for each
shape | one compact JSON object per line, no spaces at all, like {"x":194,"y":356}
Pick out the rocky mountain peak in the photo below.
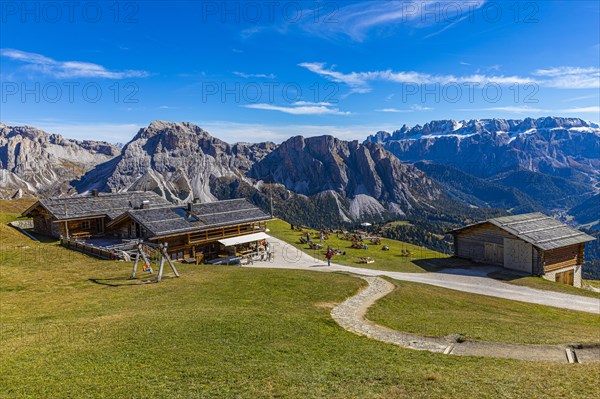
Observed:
{"x":37,"y":162}
{"x":178,"y":160}
{"x":164,"y":129}
{"x":364,"y":179}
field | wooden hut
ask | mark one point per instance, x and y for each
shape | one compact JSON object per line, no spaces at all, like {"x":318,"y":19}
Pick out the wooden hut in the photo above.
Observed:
{"x":531,"y":243}
{"x":86,"y":215}
{"x":114,"y":221}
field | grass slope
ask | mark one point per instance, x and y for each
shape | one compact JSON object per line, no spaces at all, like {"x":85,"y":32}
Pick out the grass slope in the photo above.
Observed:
{"x":422,"y":259}
{"x":73,"y":326}
{"x":436,"y":311}
{"x":543,"y":284}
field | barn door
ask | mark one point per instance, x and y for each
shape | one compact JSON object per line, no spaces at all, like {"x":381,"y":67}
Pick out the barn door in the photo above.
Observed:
{"x":565,"y":277}
{"x":518,"y":255}
{"x":493,"y":254}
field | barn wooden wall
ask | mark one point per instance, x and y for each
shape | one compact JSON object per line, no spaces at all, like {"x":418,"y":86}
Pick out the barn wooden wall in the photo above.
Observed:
{"x":470,"y":243}
{"x":563,"y":257}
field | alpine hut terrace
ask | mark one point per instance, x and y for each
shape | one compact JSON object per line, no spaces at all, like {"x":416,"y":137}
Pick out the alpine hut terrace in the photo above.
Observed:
{"x":114,"y":221}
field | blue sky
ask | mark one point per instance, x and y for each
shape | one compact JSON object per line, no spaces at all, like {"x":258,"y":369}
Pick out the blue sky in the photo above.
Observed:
{"x":254,"y":71}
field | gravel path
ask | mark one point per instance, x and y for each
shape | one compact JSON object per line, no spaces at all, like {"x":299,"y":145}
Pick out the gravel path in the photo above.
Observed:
{"x":467,"y":280}
{"x":350,"y":315}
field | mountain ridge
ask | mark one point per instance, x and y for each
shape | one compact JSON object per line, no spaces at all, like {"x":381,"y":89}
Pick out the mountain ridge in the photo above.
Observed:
{"x":343,"y":180}
{"x":567,"y":148}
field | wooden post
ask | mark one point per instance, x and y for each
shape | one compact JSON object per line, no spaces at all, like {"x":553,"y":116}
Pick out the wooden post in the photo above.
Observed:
{"x":137,"y":259}
{"x":67,"y":229}
{"x":162,"y":263}
{"x":169,"y":259}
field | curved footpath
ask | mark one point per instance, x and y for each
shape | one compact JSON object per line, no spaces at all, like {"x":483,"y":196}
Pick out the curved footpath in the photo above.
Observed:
{"x":350,"y":315}
{"x":467,"y":280}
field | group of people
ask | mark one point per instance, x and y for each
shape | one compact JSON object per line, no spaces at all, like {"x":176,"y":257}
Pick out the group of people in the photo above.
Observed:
{"x":264,"y":249}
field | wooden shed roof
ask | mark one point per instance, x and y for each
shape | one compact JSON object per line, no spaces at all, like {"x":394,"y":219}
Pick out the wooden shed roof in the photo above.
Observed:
{"x":171,"y":220}
{"x":543,"y":232}
{"x":102,"y":204}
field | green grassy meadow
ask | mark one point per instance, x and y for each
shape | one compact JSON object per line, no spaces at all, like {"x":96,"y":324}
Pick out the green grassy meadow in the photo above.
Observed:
{"x":421,"y":260}
{"x":72,"y":326}
{"x":543,"y":284}
{"x":435,"y":311}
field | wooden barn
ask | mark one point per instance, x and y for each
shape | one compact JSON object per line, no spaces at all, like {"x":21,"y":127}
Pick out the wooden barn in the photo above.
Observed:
{"x":532,"y":243}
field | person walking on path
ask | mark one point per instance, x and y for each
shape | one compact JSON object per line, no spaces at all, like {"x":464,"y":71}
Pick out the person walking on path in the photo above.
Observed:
{"x":329,"y":255}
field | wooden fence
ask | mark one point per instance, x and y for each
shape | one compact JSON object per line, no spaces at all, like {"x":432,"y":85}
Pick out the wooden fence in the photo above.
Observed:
{"x":89,"y":249}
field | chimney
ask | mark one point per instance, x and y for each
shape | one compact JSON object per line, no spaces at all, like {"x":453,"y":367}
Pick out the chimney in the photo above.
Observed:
{"x":145,"y":204}
{"x":95,"y":193}
{"x":190,"y":207}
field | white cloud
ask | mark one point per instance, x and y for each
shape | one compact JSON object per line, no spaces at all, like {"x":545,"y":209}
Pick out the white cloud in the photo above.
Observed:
{"x":413,"y":108}
{"x":359,"y":81}
{"x":511,"y":109}
{"x":299,"y":110}
{"x":568,"y":100}
{"x":445,"y":28}
{"x":248,"y":33}
{"x":67,"y":69}
{"x":568,"y":77}
{"x":420,"y":108}
{"x":594,"y":110}
{"x":254,"y":75}
{"x":299,"y":103}
{"x":356,"y":81}
{"x":529,"y":110}
{"x":393,"y":110}
{"x":357,"y":20}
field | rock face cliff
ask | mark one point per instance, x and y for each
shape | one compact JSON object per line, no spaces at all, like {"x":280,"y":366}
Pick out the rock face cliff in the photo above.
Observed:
{"x":364,"y":179}
{"x":177,"y":160}
{"x":562,"y":147}
{"x":35,"y":162}
{"x":181,"y":162}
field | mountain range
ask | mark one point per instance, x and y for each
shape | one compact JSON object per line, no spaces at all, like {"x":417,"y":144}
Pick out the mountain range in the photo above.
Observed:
{"x":434,"y":170}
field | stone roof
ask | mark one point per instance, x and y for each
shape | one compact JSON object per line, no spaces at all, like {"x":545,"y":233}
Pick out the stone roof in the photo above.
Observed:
{"x":162,"y":221}
{"x":102,"y":204}
{"x":543,"y":232}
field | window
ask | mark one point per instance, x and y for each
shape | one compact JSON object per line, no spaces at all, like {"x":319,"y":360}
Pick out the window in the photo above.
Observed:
{"x":85,"y":225}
